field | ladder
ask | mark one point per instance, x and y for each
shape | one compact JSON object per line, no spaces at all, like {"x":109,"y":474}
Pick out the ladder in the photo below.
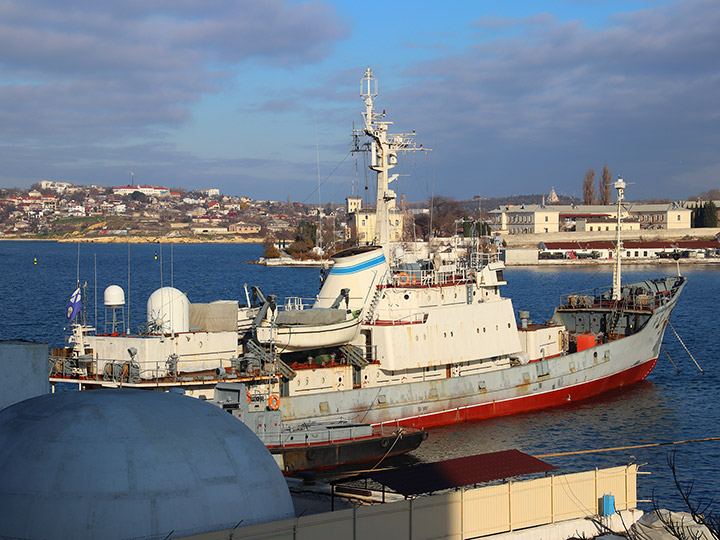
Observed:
{"x":354,"y":355}
{"x":262,"y":353}
{"x":373,"y":305}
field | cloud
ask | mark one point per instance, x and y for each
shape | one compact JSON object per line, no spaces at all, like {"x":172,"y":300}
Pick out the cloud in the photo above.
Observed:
{"x":104,"y":70}
{"x":640,"y":93}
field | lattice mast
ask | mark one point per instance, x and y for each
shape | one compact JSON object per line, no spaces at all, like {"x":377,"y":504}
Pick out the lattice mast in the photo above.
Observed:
{"x":617,"y":268}
{"x":384,"y":148}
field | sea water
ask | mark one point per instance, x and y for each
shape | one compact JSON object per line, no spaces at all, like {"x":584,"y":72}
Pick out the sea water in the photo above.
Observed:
{"x":39,"y":277}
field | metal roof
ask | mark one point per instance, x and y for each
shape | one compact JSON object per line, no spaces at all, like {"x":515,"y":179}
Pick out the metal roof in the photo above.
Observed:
{"x":453,"y":473}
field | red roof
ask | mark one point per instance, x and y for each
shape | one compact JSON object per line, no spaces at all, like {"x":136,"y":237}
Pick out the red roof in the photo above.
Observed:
{"x":465,"y":471}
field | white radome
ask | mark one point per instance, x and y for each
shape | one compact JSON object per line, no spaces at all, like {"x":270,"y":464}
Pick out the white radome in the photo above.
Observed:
{"x":114,"y":296}
{"x":117,"y":464}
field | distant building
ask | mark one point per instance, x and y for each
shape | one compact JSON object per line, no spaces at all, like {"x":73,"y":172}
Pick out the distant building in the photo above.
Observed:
{"x":244,"y":228}
{"x":59,"y":187}
{"x":552,"y":197}
{"x":539,"y":219}
{"x":353,"y":204}
{"x":150,"y":191}
{"x":633,"y":249}
{"x":363,"y":226}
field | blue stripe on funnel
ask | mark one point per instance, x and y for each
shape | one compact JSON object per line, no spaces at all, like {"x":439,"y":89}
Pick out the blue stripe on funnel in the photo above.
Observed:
{"x":358,"y":267}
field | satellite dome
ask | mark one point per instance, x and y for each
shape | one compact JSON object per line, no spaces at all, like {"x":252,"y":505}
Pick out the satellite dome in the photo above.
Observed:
{"x":118,"y":464}
{"x":114,"y":296}
{"x":168,"y":310}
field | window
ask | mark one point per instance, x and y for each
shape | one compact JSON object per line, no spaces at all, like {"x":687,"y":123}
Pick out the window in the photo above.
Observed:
{"x":678,"y":217}
{"x":546,"y":218}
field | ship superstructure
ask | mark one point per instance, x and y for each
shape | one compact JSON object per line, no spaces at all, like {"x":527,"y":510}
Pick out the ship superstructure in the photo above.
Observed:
{"x":421,"y":341}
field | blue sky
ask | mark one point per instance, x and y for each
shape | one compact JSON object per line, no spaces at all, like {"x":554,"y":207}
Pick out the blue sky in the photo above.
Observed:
{"x":513,"y":97}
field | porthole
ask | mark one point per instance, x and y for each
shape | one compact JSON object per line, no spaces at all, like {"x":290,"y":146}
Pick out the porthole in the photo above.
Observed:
{"x":497,"y":328}
{"x":508,"y":325}
{"x":339,"y":380}
{"x":406,"y":297}
{"x":451,"y":334}
{"x":477,"y":330}
{"x":484,"y":329}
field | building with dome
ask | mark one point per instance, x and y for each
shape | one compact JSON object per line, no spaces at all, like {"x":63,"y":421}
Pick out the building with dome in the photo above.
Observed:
{"x":118,"y":464}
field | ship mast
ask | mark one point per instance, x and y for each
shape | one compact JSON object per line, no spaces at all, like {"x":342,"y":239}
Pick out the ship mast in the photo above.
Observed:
{"x":384,"y":148}
{"x":617,"y":269}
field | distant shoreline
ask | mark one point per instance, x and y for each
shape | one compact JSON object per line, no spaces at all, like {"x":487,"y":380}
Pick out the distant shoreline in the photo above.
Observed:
{"x":138,"y":240}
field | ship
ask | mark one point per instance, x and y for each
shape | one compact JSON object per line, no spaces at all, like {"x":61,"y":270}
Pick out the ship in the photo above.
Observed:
{"x":395,"y":336}
{"x":313,"y":445}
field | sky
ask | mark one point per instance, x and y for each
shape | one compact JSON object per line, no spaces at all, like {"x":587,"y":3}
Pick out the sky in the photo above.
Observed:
{"x":260,"y":98}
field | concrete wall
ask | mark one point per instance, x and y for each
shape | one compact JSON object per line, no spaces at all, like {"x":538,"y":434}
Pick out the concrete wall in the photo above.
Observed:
{"x":553,"y":503}
{"x":521,"y":256}
{"x":23,"y":371}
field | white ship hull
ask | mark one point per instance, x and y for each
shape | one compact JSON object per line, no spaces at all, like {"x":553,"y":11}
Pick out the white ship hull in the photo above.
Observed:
{"x":497,"y":392}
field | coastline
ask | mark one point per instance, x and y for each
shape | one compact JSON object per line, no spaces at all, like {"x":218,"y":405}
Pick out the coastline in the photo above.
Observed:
{"x":137,"y":240}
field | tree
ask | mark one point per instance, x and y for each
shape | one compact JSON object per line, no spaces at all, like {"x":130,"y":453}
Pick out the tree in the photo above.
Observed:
{"x":710,"y":215}
{"x":704,"y":215}
{"x":444,"y":212}
{"x":271,"y":252}
{"x":306,"y":232}
{"x":589,"y":194}
{"x":605,"y":185}
{"x":139,"y":196}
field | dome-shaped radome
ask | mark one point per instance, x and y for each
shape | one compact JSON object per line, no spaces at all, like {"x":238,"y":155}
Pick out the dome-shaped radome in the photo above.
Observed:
{"x":131,"y":464}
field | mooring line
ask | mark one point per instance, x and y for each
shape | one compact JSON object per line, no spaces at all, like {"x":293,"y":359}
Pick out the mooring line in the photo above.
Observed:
{"x":686,"y":349}
{"x":671,"y":360}
{"x":598,"y":450}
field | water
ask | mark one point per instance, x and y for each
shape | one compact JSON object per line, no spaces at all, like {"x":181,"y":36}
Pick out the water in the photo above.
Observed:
{"x":669,"y":406}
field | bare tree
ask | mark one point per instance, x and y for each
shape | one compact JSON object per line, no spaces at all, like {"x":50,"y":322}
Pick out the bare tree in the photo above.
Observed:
{"x":589,"y":194}
{"x":605,"y":184}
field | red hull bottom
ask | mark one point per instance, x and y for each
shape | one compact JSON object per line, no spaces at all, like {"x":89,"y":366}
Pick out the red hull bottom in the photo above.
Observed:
{"x":530,"y":402}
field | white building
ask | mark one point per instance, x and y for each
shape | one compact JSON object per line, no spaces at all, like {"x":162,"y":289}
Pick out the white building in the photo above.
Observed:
{"x":150,"y":191}
{"x":539,"y":219}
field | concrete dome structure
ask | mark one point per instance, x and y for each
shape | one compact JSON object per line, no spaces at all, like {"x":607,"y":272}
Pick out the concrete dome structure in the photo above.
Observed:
{"x":117,"y":464}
